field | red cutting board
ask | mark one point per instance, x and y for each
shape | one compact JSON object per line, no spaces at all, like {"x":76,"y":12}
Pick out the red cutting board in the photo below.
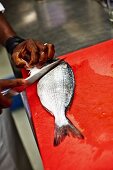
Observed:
{"x":91,"y":111}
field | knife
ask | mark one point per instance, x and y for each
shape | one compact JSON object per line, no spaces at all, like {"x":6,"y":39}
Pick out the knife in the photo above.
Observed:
{"x":35,"y":74}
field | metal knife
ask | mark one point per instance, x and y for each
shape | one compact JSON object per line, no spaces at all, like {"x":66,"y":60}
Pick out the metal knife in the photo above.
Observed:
{"x":35,"y":75}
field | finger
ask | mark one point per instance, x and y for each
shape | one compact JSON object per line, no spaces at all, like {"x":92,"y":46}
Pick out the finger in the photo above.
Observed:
{"x":51,"y":51}
{"x":43,"y":58}
{"x":33,"y":51}
{"x":12,"y":83}
{"x":34,"y":58}
{"x":42,"y":47}
{"x":5,"y":101}
{"x":30,"y":45}
{"x":19,"y":55}
{"x":19,"y":62}
{"x":43,"y":52}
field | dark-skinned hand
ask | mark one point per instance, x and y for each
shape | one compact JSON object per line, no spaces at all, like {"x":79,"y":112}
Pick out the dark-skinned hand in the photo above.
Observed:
{"x":5,"y":101}
{"x":31,"y":52}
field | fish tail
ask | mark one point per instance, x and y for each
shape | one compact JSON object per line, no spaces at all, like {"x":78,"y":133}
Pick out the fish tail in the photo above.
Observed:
{"x":66,"y":130}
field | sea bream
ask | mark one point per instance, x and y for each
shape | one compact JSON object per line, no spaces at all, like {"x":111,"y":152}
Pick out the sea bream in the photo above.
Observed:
{"x":55,"y":90}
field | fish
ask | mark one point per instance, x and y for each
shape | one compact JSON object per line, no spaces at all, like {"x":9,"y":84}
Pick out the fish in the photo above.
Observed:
{"x":55,"y":91}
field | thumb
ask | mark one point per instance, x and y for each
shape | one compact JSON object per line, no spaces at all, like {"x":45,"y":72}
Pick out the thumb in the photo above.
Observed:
{"x":12,"y":83}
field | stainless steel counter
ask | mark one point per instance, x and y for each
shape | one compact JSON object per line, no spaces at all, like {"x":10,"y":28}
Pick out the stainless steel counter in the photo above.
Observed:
{"x":69,"y":24}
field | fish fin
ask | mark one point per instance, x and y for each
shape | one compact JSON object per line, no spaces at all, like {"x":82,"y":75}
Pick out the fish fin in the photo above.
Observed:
{"x":66,"y":130}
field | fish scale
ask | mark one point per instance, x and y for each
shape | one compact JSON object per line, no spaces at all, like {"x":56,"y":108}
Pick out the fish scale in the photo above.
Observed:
{"x":55,"y":90}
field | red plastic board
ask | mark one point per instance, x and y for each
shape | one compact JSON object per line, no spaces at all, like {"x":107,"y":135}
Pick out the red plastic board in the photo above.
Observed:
{"x":91,"y":111}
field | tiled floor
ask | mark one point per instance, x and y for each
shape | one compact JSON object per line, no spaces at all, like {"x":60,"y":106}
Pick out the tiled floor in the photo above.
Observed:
{"x":69,"y":24}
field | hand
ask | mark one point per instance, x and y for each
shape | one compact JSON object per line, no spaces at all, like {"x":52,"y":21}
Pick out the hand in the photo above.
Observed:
{"x":30,"y":52}
{"x":5,"y":84}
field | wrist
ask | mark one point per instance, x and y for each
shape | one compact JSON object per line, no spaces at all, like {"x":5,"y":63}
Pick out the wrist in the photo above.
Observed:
{"x":12,"y":42}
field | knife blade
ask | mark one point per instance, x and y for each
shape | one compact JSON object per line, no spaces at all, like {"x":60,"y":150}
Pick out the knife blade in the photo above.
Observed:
{"x":35,"y":75}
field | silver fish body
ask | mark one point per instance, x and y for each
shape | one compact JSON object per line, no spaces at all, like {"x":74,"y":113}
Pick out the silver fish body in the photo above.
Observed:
{"x":55,"y":91}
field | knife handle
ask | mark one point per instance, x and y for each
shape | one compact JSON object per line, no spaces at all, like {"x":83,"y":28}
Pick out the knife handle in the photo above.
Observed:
{"x":9,"y":92}
{"x":14,"y":91}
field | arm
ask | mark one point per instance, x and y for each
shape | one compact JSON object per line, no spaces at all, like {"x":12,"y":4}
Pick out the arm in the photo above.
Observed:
{"x":25,"y":53}
{"x":19,"y":48}
{"x":6,"y":31}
